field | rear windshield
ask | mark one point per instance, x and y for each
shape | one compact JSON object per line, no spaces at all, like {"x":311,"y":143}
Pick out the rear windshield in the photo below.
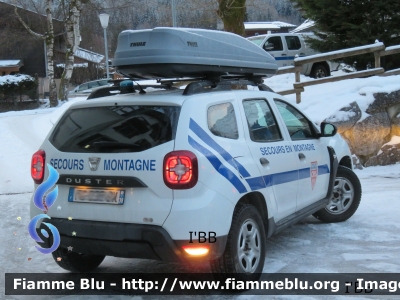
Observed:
{"x":115,"y":129}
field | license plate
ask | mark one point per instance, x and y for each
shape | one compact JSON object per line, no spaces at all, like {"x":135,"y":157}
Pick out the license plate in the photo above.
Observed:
{"x":104,"y":196}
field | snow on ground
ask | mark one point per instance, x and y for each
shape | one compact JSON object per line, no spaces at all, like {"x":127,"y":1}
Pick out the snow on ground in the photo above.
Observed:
{"x":323,"y":100}
{"x":368,"y":242}
{"x":22,"y":133}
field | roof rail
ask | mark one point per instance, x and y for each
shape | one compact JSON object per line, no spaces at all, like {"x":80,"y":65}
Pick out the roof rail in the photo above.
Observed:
{"x":116,"y":89}
{"x":196,"y":85}
{"x":209,"y":85}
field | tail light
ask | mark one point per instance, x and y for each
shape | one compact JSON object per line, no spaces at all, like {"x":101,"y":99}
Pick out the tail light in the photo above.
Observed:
{"x":180,"y":170}
{"x":37,"y":166}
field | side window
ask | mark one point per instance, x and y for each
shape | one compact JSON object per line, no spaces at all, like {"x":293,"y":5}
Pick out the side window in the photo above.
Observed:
{"x":299,"y":127}
{"x":293,"y":42}
{"x":103,"y":82}
{"x":276,"y":41}
{"x":222,"y":120}
{"x":261,"y":121}
{"x":83,"y":87}
{"x":93,"y":84}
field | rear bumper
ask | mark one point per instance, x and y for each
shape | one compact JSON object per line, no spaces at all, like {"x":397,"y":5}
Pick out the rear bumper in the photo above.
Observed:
{"x":126,"y":240}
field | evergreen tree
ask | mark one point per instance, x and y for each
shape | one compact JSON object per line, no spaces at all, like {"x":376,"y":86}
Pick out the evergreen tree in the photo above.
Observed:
{"x":344,"y":24}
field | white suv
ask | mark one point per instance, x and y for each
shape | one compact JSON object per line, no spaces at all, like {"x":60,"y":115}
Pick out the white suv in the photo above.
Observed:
{"x":205,"y":173}
{"x":285,"y":47}
{"x":145,"y":176}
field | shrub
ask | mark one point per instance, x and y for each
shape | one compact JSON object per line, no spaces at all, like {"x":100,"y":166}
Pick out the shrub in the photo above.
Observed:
{"x":13,"y":87}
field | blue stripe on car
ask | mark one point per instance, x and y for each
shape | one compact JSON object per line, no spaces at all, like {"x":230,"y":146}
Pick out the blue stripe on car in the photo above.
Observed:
{"x":305,"y":173}
{"x":284,"y":177}
{"x":217,"y":164}
{"x":256,"y":183}
{"x":279,"y":178}
{"x":323,"y":169}
{"x":210,"y":142}
{"x":285,"y":58}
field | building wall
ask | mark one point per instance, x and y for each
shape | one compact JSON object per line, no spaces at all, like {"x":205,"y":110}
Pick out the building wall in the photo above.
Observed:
{"x":8,"y":70}
{"x":17,"y":43}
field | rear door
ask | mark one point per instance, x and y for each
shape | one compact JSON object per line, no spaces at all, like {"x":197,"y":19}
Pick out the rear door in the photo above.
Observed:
{"x":110,"y":161}
{"x":214,"y":131}
{"x":270,"y":151}
{"x":294,"y":47}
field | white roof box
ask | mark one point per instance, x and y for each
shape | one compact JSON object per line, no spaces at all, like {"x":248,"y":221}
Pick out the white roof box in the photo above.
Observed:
{"x":183,"y":52}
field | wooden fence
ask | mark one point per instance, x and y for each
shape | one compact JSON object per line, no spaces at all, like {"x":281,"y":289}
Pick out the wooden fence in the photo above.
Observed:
{"x":378,"y":49}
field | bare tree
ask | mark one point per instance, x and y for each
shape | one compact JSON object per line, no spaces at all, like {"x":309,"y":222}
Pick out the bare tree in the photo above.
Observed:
{"x":73,"y":38}
{"x":232,"y":13}
{"x":48,"y":37}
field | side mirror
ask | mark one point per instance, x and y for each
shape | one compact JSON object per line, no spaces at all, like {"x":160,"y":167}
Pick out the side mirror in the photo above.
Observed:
{"x":269,"y":47}
{"x":328,"y":130}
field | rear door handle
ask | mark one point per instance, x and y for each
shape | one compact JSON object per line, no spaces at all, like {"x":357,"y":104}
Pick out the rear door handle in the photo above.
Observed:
{"x":283,"y":54}
{"x":264,"y":161}
{"x":302,"y":156}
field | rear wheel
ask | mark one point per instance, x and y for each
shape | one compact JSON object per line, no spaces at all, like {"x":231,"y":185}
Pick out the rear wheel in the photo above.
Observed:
{"x":345,"y":198}
{"x":319,"y":71}
{"x":76,"y":262}
{"x":245,"y":249}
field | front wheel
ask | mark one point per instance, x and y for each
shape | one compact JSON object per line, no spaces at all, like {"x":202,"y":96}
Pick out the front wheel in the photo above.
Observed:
{"x":345,"y":198}
{"x":245,"y":249}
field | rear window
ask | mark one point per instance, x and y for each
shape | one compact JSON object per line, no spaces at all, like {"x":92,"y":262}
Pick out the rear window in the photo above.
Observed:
{"x":293,"y":42}
{"x":222,"y":121}
{"x":115,"y":129}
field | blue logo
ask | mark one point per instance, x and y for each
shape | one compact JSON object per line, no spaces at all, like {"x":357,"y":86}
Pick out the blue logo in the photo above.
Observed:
{"x":44,"y":201}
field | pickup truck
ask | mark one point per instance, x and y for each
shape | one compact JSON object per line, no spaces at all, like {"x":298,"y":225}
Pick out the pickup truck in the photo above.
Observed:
{"x":285,"y":46}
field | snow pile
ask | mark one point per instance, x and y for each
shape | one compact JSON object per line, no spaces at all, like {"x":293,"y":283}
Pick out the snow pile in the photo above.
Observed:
{"x":22,"y":133}
{"x":324,"y":100}
{"x":341,"y":116}
{"x":306,"y":25}
{"x":394,"y":141}
{"x":15,"y":79}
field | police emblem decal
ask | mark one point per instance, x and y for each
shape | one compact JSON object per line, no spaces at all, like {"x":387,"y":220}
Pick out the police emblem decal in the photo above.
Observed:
{"x":313,"y":173}
{"x":94,"y":163}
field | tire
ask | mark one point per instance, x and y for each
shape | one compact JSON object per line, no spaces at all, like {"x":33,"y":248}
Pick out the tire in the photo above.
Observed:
{"x":243,"y":259}
{"x":345,"y":199}
{"x":76,"y":262}
{"x":319,"y":71}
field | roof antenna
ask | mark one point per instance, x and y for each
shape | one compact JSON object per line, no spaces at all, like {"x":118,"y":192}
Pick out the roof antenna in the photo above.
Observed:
{"x":142,"y":91}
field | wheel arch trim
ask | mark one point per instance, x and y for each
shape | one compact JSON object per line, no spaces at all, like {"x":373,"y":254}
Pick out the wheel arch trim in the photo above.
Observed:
{"x":257,"y":199}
